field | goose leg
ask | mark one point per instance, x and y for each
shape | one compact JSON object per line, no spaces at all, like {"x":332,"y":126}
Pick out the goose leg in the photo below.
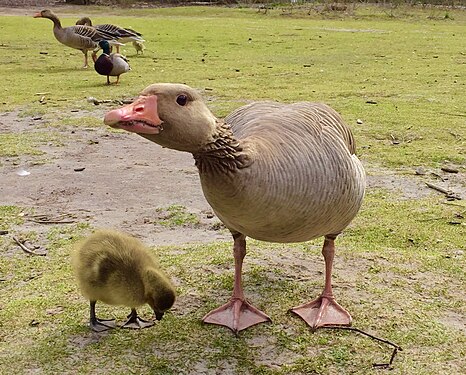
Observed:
{"x":237,"y":314}
{"x":99,"y":325}
{"x":108,"y":80}
{"x":324,"y":310}
{"x":85,"y":59}
{"x":135,"y":322}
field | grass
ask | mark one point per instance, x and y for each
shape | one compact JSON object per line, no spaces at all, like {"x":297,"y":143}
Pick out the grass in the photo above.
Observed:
{"x":406,"y":281}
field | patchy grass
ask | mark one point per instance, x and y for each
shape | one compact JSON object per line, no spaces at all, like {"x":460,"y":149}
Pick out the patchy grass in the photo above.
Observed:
{"x":400,"y":267}
{"x":175,"y":216}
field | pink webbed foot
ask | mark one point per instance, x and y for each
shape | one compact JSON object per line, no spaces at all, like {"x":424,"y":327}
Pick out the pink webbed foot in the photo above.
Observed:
{"x":323,"y":311}
{"x":237,"y":315}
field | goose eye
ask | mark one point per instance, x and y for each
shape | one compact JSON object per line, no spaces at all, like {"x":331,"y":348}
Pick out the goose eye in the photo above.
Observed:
{"x":182,"y":100}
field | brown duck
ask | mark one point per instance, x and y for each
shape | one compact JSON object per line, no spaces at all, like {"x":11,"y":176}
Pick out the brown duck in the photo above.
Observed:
{"x":271,"y":171}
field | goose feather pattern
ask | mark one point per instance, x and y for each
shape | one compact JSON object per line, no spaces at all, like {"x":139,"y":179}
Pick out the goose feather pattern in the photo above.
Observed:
{"x":271,"y":171}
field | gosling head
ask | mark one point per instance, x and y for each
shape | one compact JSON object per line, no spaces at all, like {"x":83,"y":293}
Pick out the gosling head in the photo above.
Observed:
{"x":160,"y":293}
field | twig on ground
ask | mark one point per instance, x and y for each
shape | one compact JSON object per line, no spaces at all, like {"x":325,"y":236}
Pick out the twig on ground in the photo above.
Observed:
{"x":26,"y":249}
{"x":448,"y":193}
{"x":45,"y":219}
{"x":396,"y":348}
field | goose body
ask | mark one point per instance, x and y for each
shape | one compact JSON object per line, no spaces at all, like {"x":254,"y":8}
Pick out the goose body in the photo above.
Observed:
{"x":123,"y":35}
{"x":271,"y":171}
{"x":83,"y":38}
{"x":110,"y":64}
{"x":117,"y":269}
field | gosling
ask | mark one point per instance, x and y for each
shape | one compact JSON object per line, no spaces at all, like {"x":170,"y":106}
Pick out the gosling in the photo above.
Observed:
{"x":117,"y":269}
{"x":139,"y":47}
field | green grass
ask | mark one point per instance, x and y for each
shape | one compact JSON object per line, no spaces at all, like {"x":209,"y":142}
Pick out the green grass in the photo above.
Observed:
{"x":175,"y":216}
{"x":400,"y":267}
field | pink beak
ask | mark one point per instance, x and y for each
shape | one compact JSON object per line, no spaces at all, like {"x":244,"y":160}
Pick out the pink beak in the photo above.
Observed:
{"x":141,"y":116}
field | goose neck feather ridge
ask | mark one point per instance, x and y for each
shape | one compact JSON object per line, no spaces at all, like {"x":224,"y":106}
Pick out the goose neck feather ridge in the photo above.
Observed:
{"x":224,"y":154}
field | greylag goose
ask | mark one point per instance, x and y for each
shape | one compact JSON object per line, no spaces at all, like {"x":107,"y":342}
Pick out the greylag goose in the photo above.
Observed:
{"x":80,"y":37}
{"x":274,"y":172}
{"x":116,"y":269}
{"x":110,"y":64}
{"x":123,"y":35}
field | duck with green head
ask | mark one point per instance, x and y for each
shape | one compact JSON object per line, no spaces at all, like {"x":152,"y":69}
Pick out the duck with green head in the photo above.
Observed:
{"x":109,"y":64}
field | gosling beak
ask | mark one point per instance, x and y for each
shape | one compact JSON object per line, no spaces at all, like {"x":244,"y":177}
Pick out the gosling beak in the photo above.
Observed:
{"x":140,"y":117}
{"x":158,"y":315}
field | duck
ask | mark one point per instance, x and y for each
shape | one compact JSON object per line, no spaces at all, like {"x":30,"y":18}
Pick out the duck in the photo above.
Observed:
{"x":117,"y":269}
{"x":123,"y":35}
{"x":110,"y":64}
{"x":83,"y":38}
{"x":275,"y":172}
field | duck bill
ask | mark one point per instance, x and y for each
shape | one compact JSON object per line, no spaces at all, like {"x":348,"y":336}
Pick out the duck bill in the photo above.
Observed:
{"x":140,"y":117}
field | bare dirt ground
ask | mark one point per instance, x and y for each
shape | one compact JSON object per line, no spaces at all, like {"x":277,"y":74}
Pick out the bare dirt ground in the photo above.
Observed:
{"x":112,"y":180}
{"x":122,"y":181}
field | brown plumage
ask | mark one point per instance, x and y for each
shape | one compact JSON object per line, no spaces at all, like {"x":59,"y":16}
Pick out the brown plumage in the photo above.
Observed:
{"x":117,"y":269}
{"x":83,"y":38}
{"x":123,"y":35}
{"x":271,"y":171}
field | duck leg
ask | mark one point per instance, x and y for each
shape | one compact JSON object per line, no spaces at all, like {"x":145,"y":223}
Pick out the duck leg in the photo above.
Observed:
{"x":135,"y":322}
{"x":99,"y":325}
{"x":237,"y":314}
{"x":324,"y":310}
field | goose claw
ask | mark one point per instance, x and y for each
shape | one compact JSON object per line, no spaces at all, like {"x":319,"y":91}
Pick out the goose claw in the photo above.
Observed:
{"x":323,"y":311}
{"x":237,"y":314}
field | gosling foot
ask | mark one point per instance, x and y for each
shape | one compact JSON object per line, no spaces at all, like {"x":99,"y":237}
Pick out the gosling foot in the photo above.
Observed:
{"x":135,"y":322}
{"x":101,"y":325}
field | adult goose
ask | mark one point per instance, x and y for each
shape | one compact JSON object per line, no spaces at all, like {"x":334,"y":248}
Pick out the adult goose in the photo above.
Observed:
{"x":123,"y":35}
{"x":117,"y":269}
{"x":110,"y":64}
{"x":80,"y":37}
{"x":274,"y":172}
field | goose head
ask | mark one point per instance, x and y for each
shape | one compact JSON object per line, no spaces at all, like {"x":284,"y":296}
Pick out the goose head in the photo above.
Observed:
{"x":46,"y":13}
{"x":171,"y":115}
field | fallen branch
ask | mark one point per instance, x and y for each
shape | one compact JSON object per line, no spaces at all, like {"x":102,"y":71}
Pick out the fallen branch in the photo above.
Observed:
{"x":26,"y":249}
{"x":448,"y":193}
{"x":396,"y":348}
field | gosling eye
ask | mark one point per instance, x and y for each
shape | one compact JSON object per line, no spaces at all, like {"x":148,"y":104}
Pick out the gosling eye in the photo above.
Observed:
{"x":182,"y":99}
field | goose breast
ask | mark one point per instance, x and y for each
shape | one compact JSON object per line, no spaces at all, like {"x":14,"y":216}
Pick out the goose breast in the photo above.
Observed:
{"x":304,"y":181}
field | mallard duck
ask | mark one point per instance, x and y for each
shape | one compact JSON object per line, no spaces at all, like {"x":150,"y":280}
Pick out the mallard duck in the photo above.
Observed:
{"x":123,"y":35}
{"x":80,"y":37}
{"x":271,"y":171}
{"x":110,"y":64}
{"x":117,"y":269}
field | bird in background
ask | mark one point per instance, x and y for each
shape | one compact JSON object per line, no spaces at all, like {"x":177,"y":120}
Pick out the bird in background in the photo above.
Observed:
{"x":123,"y":35}
{"x":118,"y":269}
{"x":109,"y":64}
{"x":83,"y":38}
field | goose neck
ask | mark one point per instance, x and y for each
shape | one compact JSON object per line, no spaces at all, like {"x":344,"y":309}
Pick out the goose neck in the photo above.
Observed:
{"x":223,"y":154}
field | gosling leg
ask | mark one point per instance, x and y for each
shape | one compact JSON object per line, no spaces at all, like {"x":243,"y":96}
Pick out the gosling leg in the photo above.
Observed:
{"x":99,"y":325}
